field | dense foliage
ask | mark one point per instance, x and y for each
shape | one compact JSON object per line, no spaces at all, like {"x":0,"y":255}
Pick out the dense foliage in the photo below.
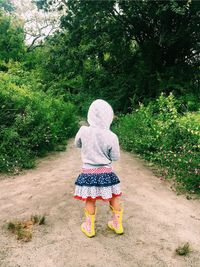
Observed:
{"x":159,"y":133}
{"x":126,"y":51}
{"x":11,"y":38}
{"x":7,"y":5}
{"x":31,"y":123}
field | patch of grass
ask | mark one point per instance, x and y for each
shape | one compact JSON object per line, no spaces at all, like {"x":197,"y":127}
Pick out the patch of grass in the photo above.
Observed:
{"x":42,"y":220}
{"x":183,"y":250}
{"x":24,"y":234}
{"x":23,"y":229}
{"x":38,"y":219}
{"x":11,"y":226}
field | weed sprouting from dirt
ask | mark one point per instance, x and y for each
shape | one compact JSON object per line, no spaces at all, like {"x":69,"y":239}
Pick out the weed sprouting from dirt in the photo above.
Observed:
{"x":23,"y":229}
{"x":38,"y":219}
{"x":183,"y":250}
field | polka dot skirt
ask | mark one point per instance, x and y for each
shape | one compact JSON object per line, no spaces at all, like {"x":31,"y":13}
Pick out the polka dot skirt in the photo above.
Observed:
{"x":97,"y":184}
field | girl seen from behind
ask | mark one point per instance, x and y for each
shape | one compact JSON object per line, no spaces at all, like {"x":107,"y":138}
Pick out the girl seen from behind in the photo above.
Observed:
{"x":97,"y":181}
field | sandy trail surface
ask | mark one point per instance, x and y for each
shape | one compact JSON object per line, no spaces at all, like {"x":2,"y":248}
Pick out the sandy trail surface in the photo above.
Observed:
{"x":156,"y":220}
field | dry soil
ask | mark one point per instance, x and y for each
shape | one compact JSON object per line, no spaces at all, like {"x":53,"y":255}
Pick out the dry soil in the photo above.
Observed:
{"x":156,"y":219}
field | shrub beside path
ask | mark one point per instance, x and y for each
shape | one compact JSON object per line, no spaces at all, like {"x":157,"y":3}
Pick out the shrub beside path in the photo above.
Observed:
{"x":156,"y":220}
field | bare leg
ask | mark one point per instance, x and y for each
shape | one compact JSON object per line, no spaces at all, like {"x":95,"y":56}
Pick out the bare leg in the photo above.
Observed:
{"x":90,"y":206}
{"x":115,"y":203}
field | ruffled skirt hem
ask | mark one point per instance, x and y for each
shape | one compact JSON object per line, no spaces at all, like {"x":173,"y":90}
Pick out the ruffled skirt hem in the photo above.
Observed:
{"x":97,"y":198}
{"x":94,"y":193}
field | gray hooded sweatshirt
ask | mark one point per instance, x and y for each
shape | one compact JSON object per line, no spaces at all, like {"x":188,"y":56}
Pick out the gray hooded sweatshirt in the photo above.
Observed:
{"x":99,"y":145}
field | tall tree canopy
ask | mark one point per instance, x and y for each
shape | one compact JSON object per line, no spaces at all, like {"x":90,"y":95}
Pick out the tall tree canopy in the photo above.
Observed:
{"x":7,"y":5}
{"x":129,"y":50}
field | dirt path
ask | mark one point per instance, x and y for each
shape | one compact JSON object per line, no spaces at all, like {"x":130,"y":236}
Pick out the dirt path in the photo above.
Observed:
{"x":156,"y":220}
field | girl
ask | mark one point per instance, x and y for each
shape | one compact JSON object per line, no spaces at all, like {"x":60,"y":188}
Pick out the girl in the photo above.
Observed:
{"x":99,"y":147}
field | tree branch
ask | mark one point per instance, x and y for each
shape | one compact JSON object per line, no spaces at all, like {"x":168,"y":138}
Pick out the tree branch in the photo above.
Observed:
{"x":33,"y":42}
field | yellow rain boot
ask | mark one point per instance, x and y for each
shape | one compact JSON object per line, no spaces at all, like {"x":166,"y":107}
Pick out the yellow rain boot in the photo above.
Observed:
{"x":88,"y":227}
{"x":116,"y":223}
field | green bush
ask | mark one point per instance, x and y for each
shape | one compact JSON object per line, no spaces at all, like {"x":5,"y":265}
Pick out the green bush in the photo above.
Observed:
{"x":189,"y":102}
{"x":31,"y":124}
{"x":162,"y":135}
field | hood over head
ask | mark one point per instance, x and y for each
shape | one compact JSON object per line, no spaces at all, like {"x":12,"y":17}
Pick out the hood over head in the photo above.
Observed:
{"x":100,"y":114}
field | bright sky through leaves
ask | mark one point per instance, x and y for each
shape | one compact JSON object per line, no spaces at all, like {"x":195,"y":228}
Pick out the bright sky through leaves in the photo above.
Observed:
{"x":38,"y":24}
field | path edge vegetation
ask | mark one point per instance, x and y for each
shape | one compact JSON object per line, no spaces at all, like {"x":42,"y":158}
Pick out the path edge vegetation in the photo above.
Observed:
{"x":164,"y":135}
{"x":151,"y":78}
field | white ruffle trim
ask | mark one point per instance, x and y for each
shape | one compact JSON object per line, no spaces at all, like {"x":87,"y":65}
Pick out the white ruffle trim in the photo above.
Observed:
{"x":97,"y":192}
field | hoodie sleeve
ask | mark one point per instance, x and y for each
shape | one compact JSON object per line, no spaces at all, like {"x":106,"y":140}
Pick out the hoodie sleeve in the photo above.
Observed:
{"x":78,"y":142}
{"x":115,"y":150}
